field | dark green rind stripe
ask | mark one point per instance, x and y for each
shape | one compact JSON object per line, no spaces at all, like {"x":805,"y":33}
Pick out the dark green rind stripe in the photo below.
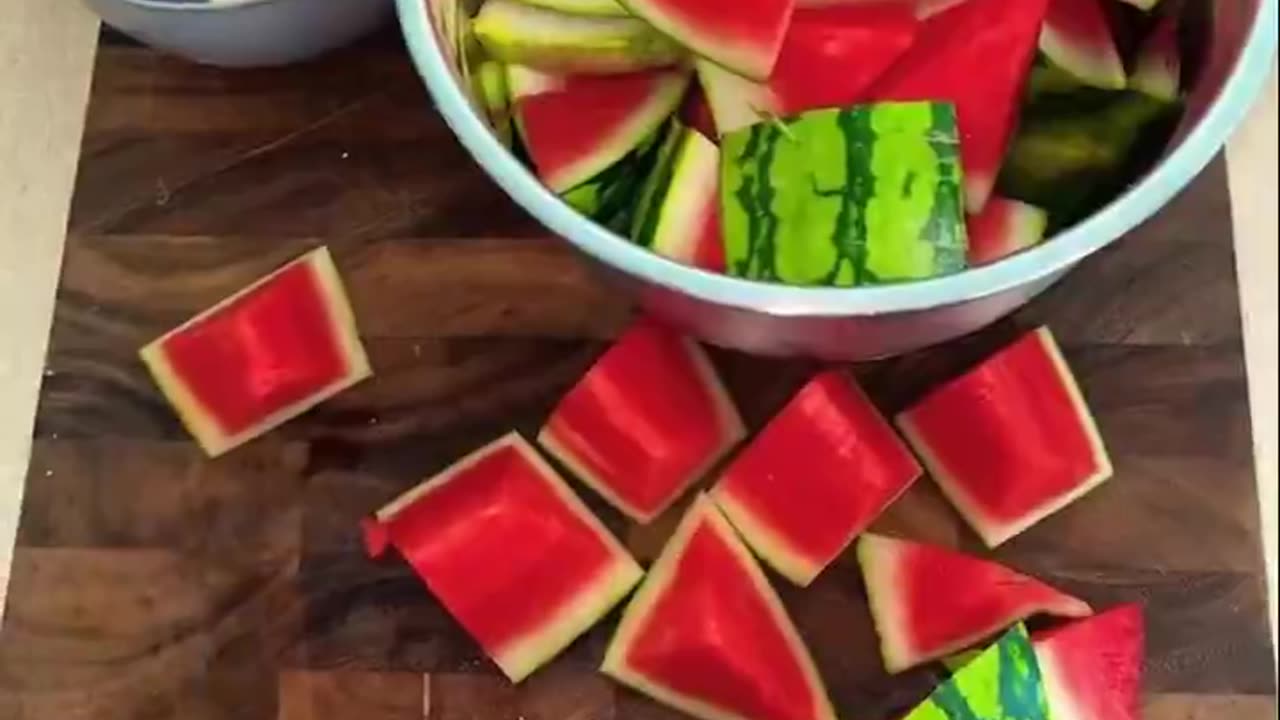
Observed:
{"x":1001,"y":683}
{"x":649,"y":208}
{"x":609,"y":198}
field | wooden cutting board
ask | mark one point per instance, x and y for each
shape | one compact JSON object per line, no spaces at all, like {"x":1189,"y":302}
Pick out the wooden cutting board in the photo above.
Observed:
{"x":151,"y":583}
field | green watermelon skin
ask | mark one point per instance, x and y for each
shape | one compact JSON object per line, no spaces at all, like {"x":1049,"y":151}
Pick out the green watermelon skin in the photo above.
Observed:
{"x":855,"y":196}
{"x":1004,"y":682}
{"x":610,"y":197}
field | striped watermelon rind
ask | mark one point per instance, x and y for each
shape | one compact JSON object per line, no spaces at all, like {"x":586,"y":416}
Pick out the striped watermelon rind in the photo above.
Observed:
{"x":1005,"y":680}
{"x":863,"y":195}
{"x":992,"y":529}
{"x":681,"y":201}
{"x":200,"y":422}
{"x":703,"y":513}
{"x":559,"y":42}
{"x":898,"y":574}
{"x":520,"y":656}
{"x":609,"y":198}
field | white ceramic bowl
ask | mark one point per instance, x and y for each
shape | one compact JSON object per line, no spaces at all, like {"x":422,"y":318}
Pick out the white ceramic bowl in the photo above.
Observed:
{"x":244,"y":33}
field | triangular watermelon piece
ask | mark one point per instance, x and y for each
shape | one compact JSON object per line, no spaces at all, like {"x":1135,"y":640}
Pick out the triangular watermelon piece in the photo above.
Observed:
{"x":575,"y":126}
{"x":815,"y":477}
{"x":830,"y":58}
{"x":1012,"y":441}
{"x":1076,"y":38}
{"x":744,"y":36}
{"x":1003,"y":228}
{"x":929,"y":602}
{"x":706,"y":634}
{"x":262,"y":356}
{"x":679,"y":211}
{"x":512,"y":553}
{"x":645,"y":422}
{"x":1093,"y":667}
{"x":1002,"y":682}
{"x":975,"y":55}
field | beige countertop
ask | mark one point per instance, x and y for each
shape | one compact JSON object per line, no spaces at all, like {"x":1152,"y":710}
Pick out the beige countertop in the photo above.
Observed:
{"x":46,"y":56}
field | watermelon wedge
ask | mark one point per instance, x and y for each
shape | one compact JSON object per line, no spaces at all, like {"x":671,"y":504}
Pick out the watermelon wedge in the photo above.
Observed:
{"x":647,"y":420}
{"x":1003,"y":682}
{"x":575,"y":126}
{"x":512,"y":553}
{"x":609,"y":197}
{"x":707,"y":635}
{"x":1076,"y":38}
{"x":815,"y":477}
{"x":1093,"y":667}
{"x":830,"y":57}
{"x":975,"y":55}
{"x":514,"y":32}
{"x":1158,"y":68}
{"x":929,"y":602}
{"x":1010,"y":442}
{"x":262,"y":356}
{"x":1003,"y":228}
{"x":744,"y":36}
{"x":679,"y":215}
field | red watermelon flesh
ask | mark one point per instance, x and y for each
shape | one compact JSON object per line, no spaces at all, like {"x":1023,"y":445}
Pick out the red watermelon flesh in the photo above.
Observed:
{"x":1093,"y":667}
{"x":1003,"y":228}
{"x":830,"y":58}
{"x":744,"y":36}
{"x":976,"y":55}
{"x":585,"y":123}
{"x":815,"y":477}
{"x":1076,"y":37}
{"x":695,"y":112}
{"x":262,"y":356}
{"x":550,"y":568}
{"x":1012,"y":441}
{"x":929,"y":602}
{"x":647,"y":420}
{"x":706,"y":634}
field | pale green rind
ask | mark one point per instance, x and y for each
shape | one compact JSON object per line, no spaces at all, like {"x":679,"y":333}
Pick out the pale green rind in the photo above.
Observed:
{"x":549,"y":40}
{"x":650,"y":200}
{"x":694,"y":187}
{"x":600,"y":8}
{"x":1097,"y":66}
{"x":843,"y":197}
{"x":1145,"y":5}
{"x":523,"y":82}
{"x":1004,"y":682}
{"x":735,"y":101}
{"x":1158,"y":69}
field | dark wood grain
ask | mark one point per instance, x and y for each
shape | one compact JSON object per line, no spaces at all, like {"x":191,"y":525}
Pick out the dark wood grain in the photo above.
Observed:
{"x":153,"y":584}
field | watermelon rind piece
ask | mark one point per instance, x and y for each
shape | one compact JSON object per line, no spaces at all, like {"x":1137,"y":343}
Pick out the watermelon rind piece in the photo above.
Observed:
{"x":1076,"y":38}
{"x":744,"y":38}
{"x":548,"y":40}
{"x":1144,"y":5}
{"x":1093,"y":667}
{"x":659,"y":581}
{"x":990,"y":528}
{"x":1002,"y":596}
{"x":1158,"y":69}
{"x":520,"y":656}
{"x":198,"y":420}
{"x":863,"y":195}
{"x":818,"y":474}
{"x":605,"y":8}
{"x":1003,"y":681}
{"x":610,"y":197}
{"x":544,"y":102}
{"x":1004,"y":227}
{"x":730,"y":428}
{"x":681,"y":204}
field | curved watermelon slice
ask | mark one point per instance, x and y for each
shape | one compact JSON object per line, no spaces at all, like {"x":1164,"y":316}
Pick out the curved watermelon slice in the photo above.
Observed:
{"x":514,"y":32}
{"x":744,"y":36}
{"x":815,"y":477}
{"x":975,"y":55}
{"x":706,"y":634}
{"x":830,"y":58}
{"x":1076,"y":38}
{"x":647,"y":420}
{"x":1158,"y":69}
{"x":1093,"y":667}
{"x":929,"y":602}
{"x":1004,"y":681}
{"x":512,"y":553}
{"x":262,"y":356}
{"x":1012,"y":441}
{"x":679,"y":214}
{"x":1003,"y":228}
{"x":575,"y":126}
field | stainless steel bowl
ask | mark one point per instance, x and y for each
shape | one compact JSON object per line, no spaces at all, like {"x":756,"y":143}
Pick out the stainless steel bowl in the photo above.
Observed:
{"x":861,"y":323}
{"x":244,"y":33}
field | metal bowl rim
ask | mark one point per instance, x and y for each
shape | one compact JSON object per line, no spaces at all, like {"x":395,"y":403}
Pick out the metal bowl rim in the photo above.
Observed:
{"x":1251,"y":70}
